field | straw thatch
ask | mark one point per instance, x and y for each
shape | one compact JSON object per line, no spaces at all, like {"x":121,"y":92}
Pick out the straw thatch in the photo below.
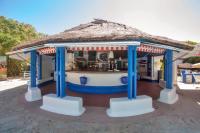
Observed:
{"x":197,"y":65}
{"x":189,"y":66}
{"x":102,"y":30}
{"x":185,"y":66}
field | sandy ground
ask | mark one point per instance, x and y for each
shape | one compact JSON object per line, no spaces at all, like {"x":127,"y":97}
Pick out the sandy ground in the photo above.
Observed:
{"x":19,"y":116}
{"x":11,"y":83}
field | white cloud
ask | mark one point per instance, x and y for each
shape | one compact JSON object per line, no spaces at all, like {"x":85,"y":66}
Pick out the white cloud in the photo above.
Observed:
{"x":177,"y":19}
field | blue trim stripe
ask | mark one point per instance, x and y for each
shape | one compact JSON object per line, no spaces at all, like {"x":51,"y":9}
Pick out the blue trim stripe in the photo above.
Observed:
{"x":90,"y":89}
{"x":96,"y":89}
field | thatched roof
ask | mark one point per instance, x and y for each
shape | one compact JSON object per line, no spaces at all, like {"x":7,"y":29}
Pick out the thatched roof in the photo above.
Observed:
{"x":102,"y":30}
{"x":185,"y":66}
{"x":197,"y":65}
{"x":189,"y":66}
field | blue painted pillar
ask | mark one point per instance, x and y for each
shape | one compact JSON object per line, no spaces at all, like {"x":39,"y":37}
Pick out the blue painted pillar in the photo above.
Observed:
{"x":169,"y":69}
{"x":132,"y":72}
{"x":33,"y":68}
{"x":60,"y":72}
{"x":39,"y":67}
{"x":57,"y":72}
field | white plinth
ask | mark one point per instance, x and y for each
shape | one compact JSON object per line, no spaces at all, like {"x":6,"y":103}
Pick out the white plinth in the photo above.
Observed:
{"x":33,"y":94}
{"x":168,"y":96}
{"x":123,"y":107}
{"x":67,"y":106}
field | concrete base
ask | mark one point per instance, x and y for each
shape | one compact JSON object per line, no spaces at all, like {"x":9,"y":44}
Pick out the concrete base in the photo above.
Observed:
{"x":168,"y":96}
{"x":123,"y":107}
{"x":33,"y":94}
{"x":67,"y":106}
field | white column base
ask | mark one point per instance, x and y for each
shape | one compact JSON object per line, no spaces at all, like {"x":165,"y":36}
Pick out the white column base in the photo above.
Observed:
{"x":168,"y":96}
{"x":33,"y":94}
{"x":67,"y":106}
{"x":123,"y":107}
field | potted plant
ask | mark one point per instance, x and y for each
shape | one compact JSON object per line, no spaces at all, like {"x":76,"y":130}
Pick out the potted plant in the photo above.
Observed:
{"x":124,"y":79}
{"x":83,"y":80}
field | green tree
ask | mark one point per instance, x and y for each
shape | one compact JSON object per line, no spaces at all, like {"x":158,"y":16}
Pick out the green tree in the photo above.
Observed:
{"x":191,"y":42}
{"x":192,"y":60}
{"x":12,"y":33}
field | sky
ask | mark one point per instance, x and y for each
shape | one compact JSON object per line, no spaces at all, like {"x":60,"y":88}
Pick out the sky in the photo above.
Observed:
{"x":176,"y":19}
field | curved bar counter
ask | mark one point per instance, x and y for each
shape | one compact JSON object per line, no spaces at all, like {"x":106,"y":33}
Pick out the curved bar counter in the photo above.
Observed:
{"x":97,"y":82}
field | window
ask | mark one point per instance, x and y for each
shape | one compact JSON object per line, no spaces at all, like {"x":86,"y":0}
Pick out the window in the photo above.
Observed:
{"x":122,"y":54}
{"x":80,"y":53}
{"x":92,"y":55}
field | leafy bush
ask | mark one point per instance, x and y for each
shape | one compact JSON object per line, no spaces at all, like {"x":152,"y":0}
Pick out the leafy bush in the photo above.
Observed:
{"x":192,"y":60}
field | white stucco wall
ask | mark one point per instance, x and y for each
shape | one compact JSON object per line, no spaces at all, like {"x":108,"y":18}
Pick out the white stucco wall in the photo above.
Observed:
{"x":177,"y":59}
{"x":96,"y":79}
{"x":175,"y":70}
{"x":156,"y":65}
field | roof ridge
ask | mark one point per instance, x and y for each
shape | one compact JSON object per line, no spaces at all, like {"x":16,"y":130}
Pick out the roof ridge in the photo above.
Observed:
{"x":104,"y":30}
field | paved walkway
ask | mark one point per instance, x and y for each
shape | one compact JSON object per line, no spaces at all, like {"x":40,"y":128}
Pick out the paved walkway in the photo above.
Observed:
{"x":19,"y":116}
